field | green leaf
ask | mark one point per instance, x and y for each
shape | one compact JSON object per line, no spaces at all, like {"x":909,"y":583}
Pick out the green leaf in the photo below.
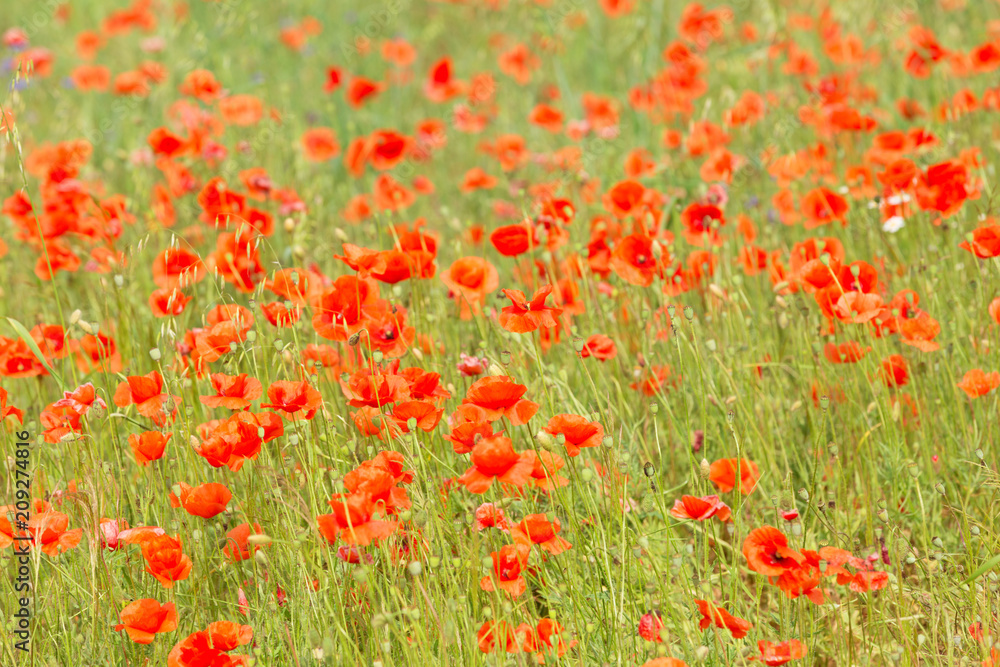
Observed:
{"x":983,"y":569}
{"x":33,"y":346}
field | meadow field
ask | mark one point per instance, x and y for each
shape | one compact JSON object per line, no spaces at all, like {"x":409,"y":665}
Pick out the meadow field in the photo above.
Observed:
{"x":631,"y":333}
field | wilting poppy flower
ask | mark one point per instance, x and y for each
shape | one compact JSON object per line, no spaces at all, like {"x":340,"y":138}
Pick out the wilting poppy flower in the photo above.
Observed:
{"x":298,"y":400}
{"x":536,"y":529}
{"x":723,"y":474}
{"x":205,"y":500}
{"x":111,"y":531}
{"x":524,"y":316}
{"x":494,"y":459}
{"x":233,"y":392}
{"x":700,"y":509}
{"x":489,"y":515}
{"x":143,"y":619}
{"x":80,"y":400}
{"x":767,"y":552}
{"x":353,"y":520}
{"x":508,"y":565}
{"x":148,"y":446}
{"x":650,"y":626}
{"x":720,"y":618}
{"x":500,"y":396}
{"x":577,"y":431}
{"x":165,"y":559}
{"x":779,"y":654}
{"x":976,"y":382}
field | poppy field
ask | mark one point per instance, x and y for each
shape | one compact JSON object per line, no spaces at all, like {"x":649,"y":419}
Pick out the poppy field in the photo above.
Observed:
{"x":500,"y":332}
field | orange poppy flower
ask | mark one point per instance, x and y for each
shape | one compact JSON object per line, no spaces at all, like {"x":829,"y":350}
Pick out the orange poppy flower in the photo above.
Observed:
{"x":720,"y":618}
{"x":202,"y":85}
{"x":205,"y":500}
{"x":165,"y":559}
{"x":700,"y":509}
{"x":143,"y":619}
{"x":778,"y":654}
{"x":297,"y":400}
{"x":508,"y":565}
{"x":723,"y":474}
{"x":494,"y":459}
{"x":577,"y":432}
{"x":524,"y":316}
{"x":389,"y":195}
{"x":46,"y":529}
{"x":148,"y":446}
{"x":656,"y":379}
{"x":146,"y":393}
{"x":976,"y":382}
{"x":536,"y":529}
{"x":352,"y":520}
{"x":767,"y":552}
{"x":663,"y":662}
{"x":625,"y":198}
{"x":320,"y":144}
{"x":17,"y":413}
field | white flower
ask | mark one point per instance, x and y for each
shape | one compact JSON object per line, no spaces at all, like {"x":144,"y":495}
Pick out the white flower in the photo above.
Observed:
{"x":893,"y":224}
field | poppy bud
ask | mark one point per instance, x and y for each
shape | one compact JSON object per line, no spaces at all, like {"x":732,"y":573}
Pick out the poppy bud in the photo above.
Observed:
{"x":353,"y":340}
{"x":704,"y":469}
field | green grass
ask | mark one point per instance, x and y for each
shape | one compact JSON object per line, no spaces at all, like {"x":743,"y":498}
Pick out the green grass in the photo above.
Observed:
{"x":864,"y":475}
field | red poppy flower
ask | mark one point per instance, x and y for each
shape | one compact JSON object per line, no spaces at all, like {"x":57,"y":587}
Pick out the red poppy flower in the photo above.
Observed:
{"x":353,"y":520}
{"x":537,"y":529}
{"x":238,"y":547}
{"x":845,"y":353}
{"x":895,"y":372}
{"x":720,"y":618}
{"x":500,"y":396}
{"x":494,"y":459}
{"x":205,"y":500}
{"x":143,"y":619}
{"x":599,"y":347}
{"x":514,"y":240}
{"x":233,"y":392}
{"x":976,"y":382}
{"x":508,"y":565}
{"x":80,"y":400}
{"x":148,"y":446}
{"x":297,"y":400}
{"x":823,"y":206}
{"x":767,"y":552}
{"x":524,"y":316}
{"x":165,"y":559}
{"x":211,"y":646}
{"x":700,"y":509}
{"x":723,"y":473}
{"x":577,"y":432}
{"x":636,"y":259}
{"x":146,"y":393}
{"x":779,"y":654}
